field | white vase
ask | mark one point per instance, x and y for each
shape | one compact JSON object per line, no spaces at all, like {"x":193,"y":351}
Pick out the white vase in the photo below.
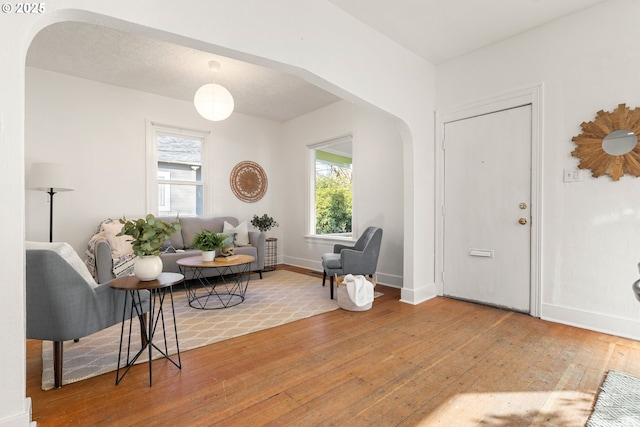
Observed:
{"x":147,"y":267}
{"x":208,"y":255}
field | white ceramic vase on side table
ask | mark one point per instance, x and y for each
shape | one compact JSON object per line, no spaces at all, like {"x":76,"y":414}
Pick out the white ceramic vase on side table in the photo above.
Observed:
{"x":147,"y":267}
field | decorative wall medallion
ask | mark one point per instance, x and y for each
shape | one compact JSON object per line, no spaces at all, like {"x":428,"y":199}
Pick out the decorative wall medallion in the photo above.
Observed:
{"x":609,"y":144}
{"x":248,"y":181}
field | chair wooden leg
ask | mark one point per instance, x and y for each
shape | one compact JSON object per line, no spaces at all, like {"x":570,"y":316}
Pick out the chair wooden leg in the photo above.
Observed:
{"x":57,"y":364}
{"x":331,"y":284}
{"x":324,"y":277}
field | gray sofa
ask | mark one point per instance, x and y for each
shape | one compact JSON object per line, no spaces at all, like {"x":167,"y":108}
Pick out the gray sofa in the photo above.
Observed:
{"x":179,"y":247}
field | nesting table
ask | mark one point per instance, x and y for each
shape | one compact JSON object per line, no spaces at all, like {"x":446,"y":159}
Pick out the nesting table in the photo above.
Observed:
{"x":158,"y":289}
{"x":226,"y":290}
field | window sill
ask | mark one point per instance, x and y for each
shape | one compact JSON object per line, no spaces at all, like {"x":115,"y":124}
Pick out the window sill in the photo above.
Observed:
{"x":330,"y":238}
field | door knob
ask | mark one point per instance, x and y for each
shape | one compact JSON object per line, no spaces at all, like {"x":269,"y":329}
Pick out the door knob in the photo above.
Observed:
{"x":522,"y":221}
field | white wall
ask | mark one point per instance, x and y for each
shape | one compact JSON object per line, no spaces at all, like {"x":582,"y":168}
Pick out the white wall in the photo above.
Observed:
{"x":98,"y":132}
{"x":103,"y":144}
{"x":322,"y":44}
{"x":590,"y":246}
{"x":377,"y":183}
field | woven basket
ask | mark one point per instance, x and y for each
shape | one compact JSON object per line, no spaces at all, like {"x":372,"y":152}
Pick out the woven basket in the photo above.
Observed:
{"x":344,"y":302}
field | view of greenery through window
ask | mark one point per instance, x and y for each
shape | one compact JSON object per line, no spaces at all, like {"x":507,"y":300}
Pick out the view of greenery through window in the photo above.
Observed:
{"x":333,"y":195}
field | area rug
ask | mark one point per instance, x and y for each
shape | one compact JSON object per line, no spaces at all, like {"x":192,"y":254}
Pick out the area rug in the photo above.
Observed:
{"x":618,"y":402}
{"x":280,"y":297}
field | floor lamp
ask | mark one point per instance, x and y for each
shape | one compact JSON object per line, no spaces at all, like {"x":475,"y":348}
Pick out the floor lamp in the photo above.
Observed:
{"x":52,"y":178}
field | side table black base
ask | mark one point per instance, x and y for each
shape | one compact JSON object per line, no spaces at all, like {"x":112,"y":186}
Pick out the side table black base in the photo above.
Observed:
{"x":156,"y":318}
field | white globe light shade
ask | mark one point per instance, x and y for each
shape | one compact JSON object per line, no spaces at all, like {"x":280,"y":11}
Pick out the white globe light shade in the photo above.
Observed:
{"x":213,"y":102}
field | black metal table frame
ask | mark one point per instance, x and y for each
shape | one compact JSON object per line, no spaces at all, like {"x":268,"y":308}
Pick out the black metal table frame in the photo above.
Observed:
{"x":149,"y":333}
{"x":232,"y":294}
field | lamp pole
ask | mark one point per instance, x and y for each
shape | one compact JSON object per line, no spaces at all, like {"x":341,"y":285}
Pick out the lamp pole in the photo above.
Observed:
{"x":51,"y":193}
{"x":51,"y":178}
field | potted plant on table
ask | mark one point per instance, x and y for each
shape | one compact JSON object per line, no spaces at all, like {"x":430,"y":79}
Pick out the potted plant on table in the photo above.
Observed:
{"x":263,"y":223}
{"x":148,"y":234}
{"x":208,"y":242}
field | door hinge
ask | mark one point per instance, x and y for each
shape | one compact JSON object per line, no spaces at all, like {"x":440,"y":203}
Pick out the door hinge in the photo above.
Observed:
{"x":444,"y":211}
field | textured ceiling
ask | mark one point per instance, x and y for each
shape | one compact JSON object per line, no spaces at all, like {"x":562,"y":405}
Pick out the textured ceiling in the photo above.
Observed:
{"x":437,"y":30}
{"x":132,"y":61}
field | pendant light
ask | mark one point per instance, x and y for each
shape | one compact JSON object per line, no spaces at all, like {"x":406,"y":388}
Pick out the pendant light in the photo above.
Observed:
{"x":213,"y":101}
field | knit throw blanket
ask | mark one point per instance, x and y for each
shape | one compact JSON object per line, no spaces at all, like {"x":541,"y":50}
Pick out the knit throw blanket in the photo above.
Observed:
{"x":122,"y":265}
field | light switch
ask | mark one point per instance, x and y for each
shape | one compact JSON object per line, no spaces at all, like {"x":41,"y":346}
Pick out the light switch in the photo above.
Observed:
{"x":572,"y":175}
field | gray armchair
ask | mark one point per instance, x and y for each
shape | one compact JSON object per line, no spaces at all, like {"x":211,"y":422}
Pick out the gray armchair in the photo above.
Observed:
{"x":65,"y":303}
{"x":636,"y":286}
{"x":361,"y":258}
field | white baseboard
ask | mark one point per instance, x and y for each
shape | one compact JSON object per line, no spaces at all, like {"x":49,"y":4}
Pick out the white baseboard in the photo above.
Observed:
{"x":626,"y":328}
{"x":391,"y":280}
{"x":419,"y":294}
{"x":22,"y":419}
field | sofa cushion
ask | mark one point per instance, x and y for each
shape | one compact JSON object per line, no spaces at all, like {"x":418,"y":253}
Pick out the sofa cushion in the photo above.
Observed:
{"x":230,"y":240}
{"x":175,"y":240}
{"x":332,"y":261}
{"x":193,"y":225}
{"x":242,"y":234}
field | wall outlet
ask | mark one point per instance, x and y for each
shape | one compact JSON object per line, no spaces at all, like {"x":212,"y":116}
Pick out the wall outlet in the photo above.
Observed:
{"x":572,"y":175}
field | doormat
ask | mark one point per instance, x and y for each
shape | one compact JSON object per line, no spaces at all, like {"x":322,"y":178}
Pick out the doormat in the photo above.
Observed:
{"x":618,"y":402}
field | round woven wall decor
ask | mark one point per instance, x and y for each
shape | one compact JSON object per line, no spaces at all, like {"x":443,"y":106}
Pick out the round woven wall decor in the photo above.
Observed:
{"x":248,"y":181}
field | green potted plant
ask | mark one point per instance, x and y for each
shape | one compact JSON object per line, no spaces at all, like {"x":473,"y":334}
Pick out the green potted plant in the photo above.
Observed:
{"x":263,"y":223}
{"x":208,"y":241}
{"x":148,"y":234}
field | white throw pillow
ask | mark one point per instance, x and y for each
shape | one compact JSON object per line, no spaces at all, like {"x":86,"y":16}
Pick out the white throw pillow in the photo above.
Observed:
{"x":242,"y":234}
{"x":120,"y":245}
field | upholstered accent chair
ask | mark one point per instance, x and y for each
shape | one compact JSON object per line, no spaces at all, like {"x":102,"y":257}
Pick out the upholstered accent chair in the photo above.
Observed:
{"x":636,"y":286}
{"x":65,"y":303}
{"x":361,"y":258}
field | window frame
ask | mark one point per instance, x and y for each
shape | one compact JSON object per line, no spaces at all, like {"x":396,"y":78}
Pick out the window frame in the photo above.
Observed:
{"x":167,"y":193}
{"x":153,"y":130}
{"x":311,"y":192}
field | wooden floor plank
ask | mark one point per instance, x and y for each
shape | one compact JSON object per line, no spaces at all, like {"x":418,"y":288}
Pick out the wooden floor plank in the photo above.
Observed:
{"x":443,"y":362}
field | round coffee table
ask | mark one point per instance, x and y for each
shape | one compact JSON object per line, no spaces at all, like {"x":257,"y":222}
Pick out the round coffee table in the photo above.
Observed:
{"x":225,"y":290}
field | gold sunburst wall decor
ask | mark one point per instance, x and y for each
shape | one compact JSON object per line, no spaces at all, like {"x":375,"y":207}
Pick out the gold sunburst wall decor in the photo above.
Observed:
{"x":609,"y":144}
{"x":248,"y":181}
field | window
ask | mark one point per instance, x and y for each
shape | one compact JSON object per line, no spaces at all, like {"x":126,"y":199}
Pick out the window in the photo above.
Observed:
{"x":164,"y":192}
{"x":331,"y":166}
{"x":176,"y":184}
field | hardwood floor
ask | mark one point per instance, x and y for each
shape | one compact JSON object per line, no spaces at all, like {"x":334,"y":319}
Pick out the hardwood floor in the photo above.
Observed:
{"x":443,"y":362}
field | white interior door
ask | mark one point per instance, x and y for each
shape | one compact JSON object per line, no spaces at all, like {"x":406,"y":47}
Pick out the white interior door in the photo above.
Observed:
{"x":487,"y":209}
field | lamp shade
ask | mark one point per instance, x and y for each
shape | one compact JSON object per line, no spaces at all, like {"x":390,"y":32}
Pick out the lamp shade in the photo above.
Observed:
{"x":213,"y":102}
{"x":46,"y":176}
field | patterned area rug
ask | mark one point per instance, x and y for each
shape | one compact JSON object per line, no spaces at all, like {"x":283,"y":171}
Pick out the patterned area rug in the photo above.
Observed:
{"x":280,"y":297}
{"x":618,"y":403}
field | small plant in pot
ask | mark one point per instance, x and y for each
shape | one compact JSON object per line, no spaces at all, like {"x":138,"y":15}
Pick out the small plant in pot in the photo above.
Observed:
{"x":148,"y":234}
{"x":208,"y":242}
{"x":264,"y":223}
